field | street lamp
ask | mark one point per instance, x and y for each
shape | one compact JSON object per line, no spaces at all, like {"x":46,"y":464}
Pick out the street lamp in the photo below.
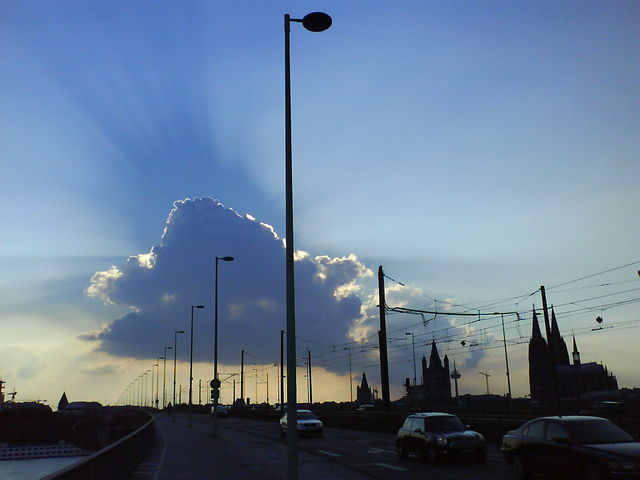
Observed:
{"x":191,"y":363}
{"x":154,"y":380}
{"x":255,"y":401}
{"x":175,"y":355}
{"x":145,"y":386}
{"x":215,"y":383}
{"x":164,"y":378}
{"x":413,"y":343}
{"x":314,"y":22}
{"x":350,"y":374}
{"x":158,"y":379}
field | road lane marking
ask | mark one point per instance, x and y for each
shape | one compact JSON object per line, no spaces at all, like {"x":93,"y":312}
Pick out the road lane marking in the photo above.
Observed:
{"x":392,"y":467}
{"x":164,"y":452}
{"x":329,"y":453}
{"x":380,"y":450}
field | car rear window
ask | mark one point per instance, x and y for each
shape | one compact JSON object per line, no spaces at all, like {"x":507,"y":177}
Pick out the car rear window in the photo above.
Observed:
{"x":444,"y":424}
{"x":597,"y":431}
{"x":306,"y":416}
{"x":536,"y":430}
{"x":556,"y":431}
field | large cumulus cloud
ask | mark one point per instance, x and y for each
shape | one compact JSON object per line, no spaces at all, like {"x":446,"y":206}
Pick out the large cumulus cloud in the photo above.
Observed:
{"x":160,"y":286}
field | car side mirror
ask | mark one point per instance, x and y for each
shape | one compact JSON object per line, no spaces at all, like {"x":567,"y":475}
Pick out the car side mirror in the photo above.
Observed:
{"x":418,"y":430}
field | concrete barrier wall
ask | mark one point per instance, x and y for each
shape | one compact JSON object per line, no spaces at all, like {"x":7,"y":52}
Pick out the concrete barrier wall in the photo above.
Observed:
{"x":493,"y":429}
{"x":114,"y":462}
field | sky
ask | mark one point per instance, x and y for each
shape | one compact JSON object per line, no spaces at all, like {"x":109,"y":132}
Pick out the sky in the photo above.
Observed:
{"x":475,"y":150}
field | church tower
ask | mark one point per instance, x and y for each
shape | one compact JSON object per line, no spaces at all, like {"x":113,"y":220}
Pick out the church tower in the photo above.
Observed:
{"x":560,"y":352}
{"x":436,"y":377}
{"x":576,"y":353}
{"x":539,"y":364}
{"x":363,"y":392}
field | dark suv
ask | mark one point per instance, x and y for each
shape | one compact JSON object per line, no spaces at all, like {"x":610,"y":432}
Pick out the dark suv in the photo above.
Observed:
{"x":439,"y":436}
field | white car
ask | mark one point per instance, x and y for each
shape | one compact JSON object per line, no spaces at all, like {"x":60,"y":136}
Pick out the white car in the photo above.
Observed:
{"x":308,"y":424}
{"x":221,"y":409}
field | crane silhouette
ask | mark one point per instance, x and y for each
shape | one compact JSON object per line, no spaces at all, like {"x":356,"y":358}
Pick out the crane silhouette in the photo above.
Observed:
{"x":486,"y":376}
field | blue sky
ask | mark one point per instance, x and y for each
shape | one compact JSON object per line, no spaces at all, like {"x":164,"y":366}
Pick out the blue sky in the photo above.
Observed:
{"x":477,"y":150}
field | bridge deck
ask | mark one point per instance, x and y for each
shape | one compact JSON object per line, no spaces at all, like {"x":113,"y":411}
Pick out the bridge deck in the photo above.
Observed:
{"x":192,"y":453}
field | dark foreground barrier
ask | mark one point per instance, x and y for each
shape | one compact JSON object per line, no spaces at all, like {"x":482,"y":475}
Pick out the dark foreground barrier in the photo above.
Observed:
{"x":492,"y":429}
{"x":114,"y":462}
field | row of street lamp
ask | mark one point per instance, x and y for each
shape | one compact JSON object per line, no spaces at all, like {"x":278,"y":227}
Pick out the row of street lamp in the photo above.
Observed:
{"x":314,"y":22}
{"x":140,"y":398}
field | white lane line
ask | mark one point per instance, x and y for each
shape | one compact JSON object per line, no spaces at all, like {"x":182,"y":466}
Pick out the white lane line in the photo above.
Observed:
{"x":329,"y":453}
{"x":380,"y":450}
{"x":386,"y":465}
{"x":161,"y":461}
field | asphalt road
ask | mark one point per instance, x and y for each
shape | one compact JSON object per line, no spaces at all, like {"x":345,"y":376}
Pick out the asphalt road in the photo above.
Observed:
{"x":369,"y":453}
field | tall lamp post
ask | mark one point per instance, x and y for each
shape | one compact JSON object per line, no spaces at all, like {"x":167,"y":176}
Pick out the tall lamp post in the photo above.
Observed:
{"x":164,"y":378}
{"x":154,"y":380}
{"x":158,"y":380}
{"x":413,"y":343}
{"x":350,"y":375}
{"x":175,"y":356}
{"x":145,"y":386}
{"x":215,"y":383}
{"x":191,"y":364}
{"x":314,"y":22}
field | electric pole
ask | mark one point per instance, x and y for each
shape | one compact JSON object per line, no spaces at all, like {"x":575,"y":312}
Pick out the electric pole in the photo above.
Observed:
{"x":242,"y":376}
{"x":281,"y":369}
{"x":310,"y":381}
{"x":382,"y":340}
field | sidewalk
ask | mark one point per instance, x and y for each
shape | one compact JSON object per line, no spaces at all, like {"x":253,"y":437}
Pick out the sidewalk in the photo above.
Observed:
{"x":192,"y":453}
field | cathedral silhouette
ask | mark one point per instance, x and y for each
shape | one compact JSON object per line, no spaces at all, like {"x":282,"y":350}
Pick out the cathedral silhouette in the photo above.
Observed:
{"x":573,"y":379}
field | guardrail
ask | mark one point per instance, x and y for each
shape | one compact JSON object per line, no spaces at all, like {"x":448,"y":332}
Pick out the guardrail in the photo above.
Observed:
{"x":114,"y":462}
{"x":491,"y":427}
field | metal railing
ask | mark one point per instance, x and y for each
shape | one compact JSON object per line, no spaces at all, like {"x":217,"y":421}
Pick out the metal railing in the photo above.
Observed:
{"x":114,"y":462}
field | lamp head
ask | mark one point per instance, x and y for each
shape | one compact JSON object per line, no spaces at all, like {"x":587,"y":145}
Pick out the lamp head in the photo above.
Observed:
{"x":180,"y":331}
{"x":197,"y":306}
{"x":169,"y":348}
{"x":227,"y":259}
{"x":316,"y":21}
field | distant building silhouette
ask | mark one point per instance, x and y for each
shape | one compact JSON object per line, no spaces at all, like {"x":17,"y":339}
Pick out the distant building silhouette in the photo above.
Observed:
{"x":573,"y":379}
{"x":63,"y":401}
{"x":364,"y":396}
{"x":436,"y":378}
{"x":436,"y":381}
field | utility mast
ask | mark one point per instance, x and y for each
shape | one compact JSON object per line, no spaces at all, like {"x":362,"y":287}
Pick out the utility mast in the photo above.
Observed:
{"x":382,"y":342}
{"x":486,"y":377}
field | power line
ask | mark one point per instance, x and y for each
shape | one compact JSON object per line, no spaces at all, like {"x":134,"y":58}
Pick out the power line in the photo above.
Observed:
{"x":594,"y":274}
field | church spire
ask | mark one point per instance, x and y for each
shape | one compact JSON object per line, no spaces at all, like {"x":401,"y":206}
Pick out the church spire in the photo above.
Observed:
{"x":535,"y":329}
{"x":554,"y":323}
{"x":576,"y":353}
{"x":434,"y":359}
{"x":560,"y":351}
